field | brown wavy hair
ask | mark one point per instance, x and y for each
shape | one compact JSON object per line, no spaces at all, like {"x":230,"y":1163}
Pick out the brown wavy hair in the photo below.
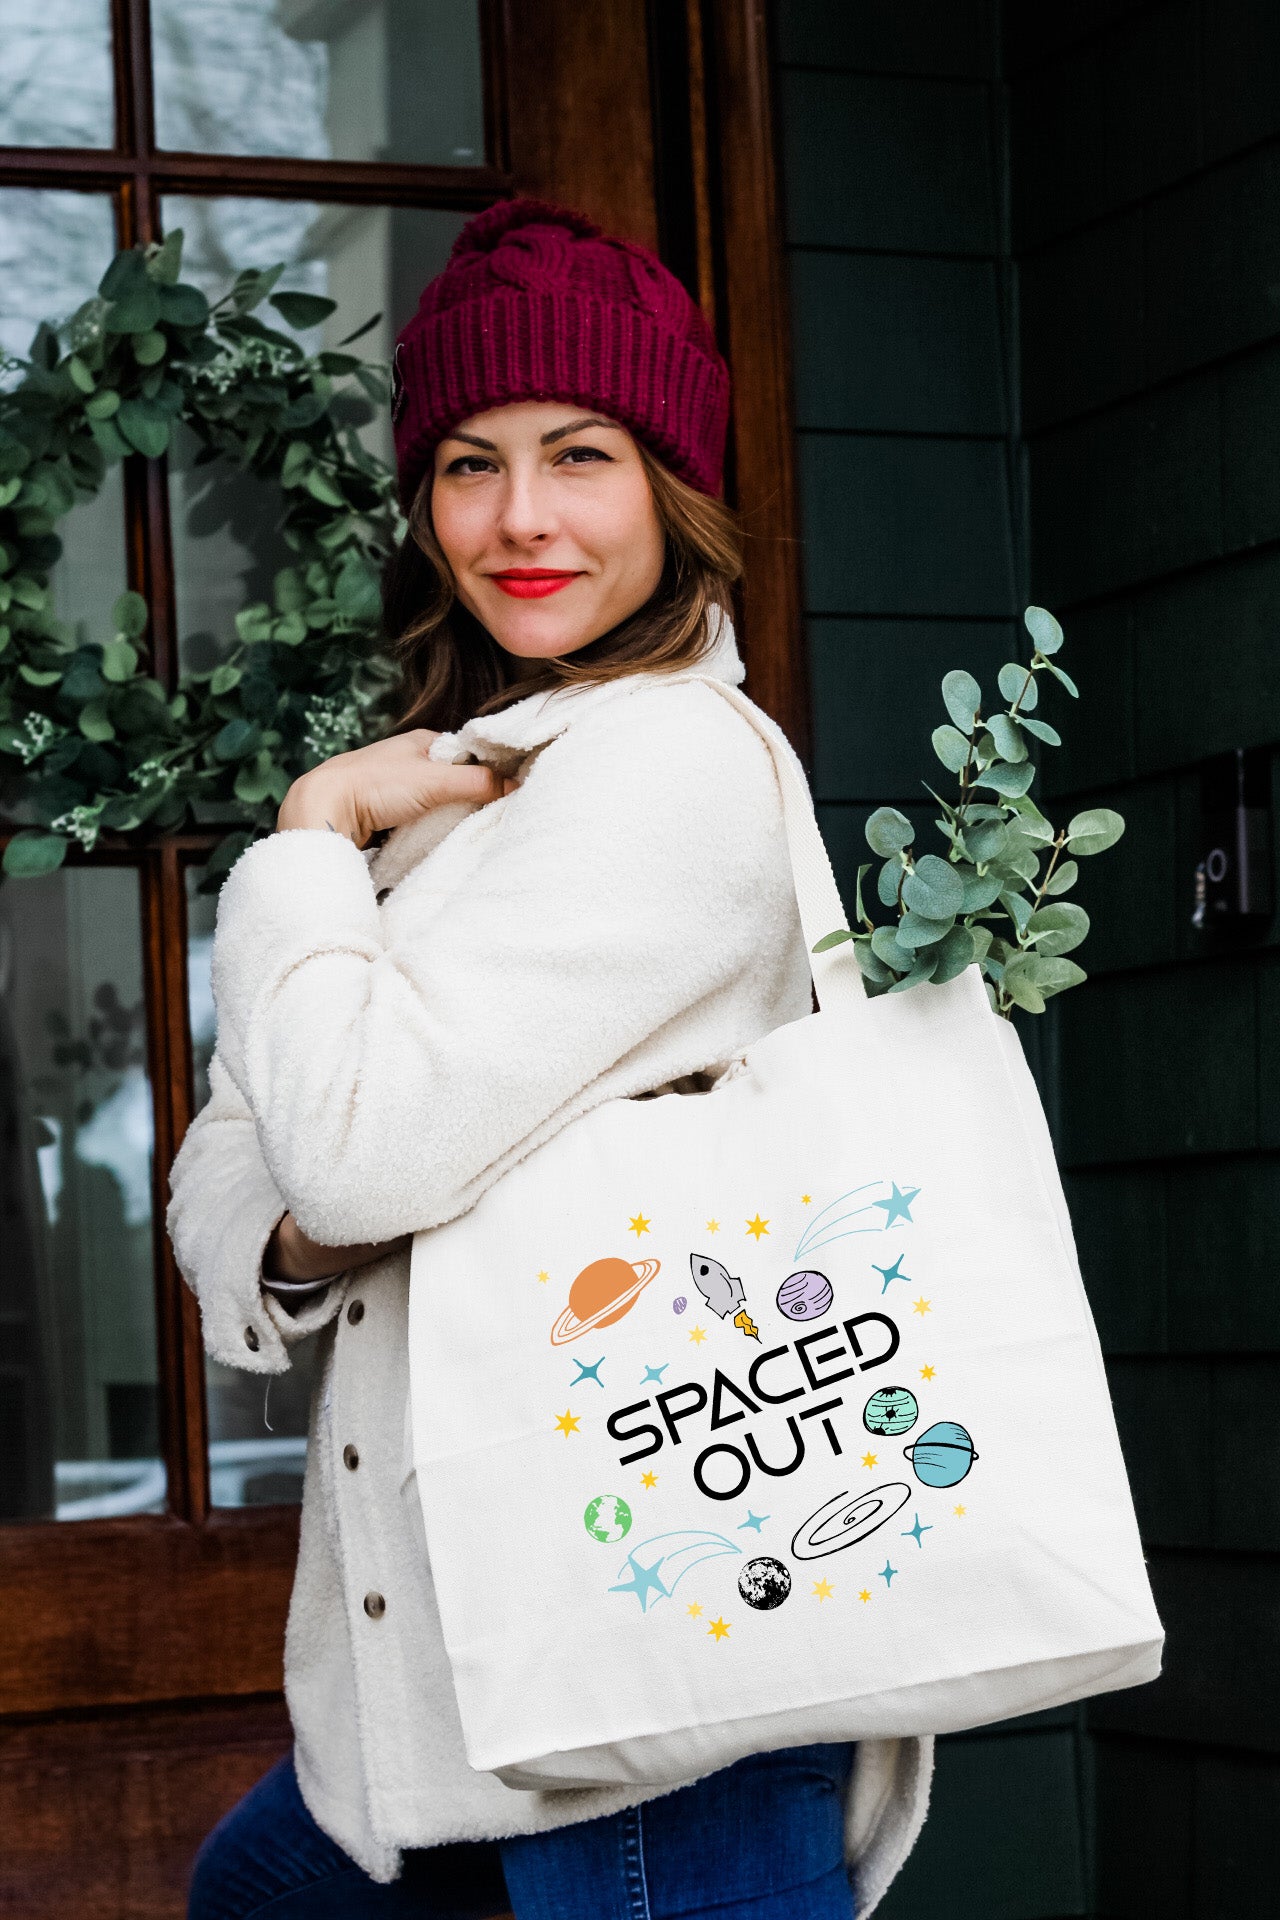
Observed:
{"x":452,"y":668}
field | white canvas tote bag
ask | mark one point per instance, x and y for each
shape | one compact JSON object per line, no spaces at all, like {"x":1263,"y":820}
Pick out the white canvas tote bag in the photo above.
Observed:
{"x":775,"y":1414}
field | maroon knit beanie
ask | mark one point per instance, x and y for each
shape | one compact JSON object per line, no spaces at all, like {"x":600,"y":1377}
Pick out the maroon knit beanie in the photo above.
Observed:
{"x":537,"y":303}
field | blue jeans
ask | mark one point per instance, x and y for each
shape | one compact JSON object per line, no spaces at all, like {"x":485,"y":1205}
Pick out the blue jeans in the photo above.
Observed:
{"x":760,"y":1840}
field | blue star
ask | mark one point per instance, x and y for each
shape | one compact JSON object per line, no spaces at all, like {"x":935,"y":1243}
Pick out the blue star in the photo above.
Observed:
{"x":589,"y":1372}
{"x":891,"y":1273}
{"x":886,"y":1573}
{"x":898,"y":1205}
{"x":643,"y":1579}
{"x":655,"y":1373}
{"x":753,"y":1520}
{"x":917,"y":1532}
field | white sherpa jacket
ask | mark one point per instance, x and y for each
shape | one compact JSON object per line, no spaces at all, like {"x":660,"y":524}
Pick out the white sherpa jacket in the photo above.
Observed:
{"x":396,"y":1028}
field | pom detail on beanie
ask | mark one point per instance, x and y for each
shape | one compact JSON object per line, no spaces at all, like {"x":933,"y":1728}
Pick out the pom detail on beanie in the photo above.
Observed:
{"x":538,"y":303}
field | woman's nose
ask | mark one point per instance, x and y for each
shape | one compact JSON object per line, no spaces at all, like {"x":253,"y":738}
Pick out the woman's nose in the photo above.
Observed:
{"x":525,"y":516}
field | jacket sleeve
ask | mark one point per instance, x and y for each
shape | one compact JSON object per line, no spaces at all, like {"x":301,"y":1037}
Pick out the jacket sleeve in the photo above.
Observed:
{"x":625,"y":880}
{"x":223,"y":1205}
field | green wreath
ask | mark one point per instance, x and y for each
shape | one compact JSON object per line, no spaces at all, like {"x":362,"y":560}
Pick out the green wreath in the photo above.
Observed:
{"x":95,"y":740}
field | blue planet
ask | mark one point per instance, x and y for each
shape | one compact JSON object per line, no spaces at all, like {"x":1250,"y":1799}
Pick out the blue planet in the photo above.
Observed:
{"x":942,"y":1455}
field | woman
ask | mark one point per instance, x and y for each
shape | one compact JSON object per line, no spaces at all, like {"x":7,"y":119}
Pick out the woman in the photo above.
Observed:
{"x":584,"y":895}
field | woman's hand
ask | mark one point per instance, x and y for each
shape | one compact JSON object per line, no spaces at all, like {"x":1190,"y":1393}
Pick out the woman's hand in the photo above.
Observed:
{"x":290,"y":1255}
{"x":386,"y":784}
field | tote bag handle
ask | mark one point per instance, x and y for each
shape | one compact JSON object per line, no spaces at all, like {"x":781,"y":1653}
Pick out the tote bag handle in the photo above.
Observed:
{"x":837,"y":978}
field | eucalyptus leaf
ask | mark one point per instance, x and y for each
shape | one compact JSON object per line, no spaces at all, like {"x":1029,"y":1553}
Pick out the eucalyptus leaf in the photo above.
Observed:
{"x":885,"y":946}
{"x":129,"y":615}
{"x":145,"y":426}
{"x":955,"y":953}
{"x":119,"y":660}
{"x":32,"y":852}
{"x":987,"y":841}
{"x":1010,"y":744}
{"x":1018,"y":983}
{"x":830,"y":940}
{"x":951,"y":747}
{"x":1063,"y":878}
{"x":982,"y":891}
{"x":924,"y":969}
{"x":860,"y":911}
{"x":1058,"y":928}
{"x":1043,"y":628}
{"x":872,"y":968}
{"x":888,"y":831}
{"x":915,"y":931}
{"x":981,"y":937}
{"x":1011,"y":781}
{"x":934,"y":889}
{"x":95,"y":722}
{"x":303,"y":310}
{"x":1094,"y":831}
{"x":962,"y":697}
{"x":1017,"y":908}
{"x":1065,"y":678}
{"x":1042,"y":730}
{"x":888,"y":880}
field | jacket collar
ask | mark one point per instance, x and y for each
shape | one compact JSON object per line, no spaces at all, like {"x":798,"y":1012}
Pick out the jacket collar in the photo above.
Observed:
{"x":526,"y":724}
{"x":504,"y":739}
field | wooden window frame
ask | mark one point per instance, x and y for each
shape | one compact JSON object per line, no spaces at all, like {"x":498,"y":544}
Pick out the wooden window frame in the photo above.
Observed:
{"x":189,"y":1605}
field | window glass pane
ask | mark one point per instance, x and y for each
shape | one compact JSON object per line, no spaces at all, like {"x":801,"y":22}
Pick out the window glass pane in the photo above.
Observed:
{"x":55,"y":73}
{"x":79,"y":1396}
{"x":55,"y":246}
{"x":392,"y":80}
{"x":257,"y":1432}
{"x":226,"y":543}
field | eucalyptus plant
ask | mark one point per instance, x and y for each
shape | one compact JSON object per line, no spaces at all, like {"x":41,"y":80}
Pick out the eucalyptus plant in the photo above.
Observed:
{"x":996,"y":897}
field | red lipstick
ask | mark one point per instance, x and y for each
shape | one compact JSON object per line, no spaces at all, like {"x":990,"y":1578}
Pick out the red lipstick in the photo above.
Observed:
{"x":532,"y":583}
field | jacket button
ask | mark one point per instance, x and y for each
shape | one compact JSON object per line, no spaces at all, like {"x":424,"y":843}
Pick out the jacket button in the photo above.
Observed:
{"x":350,"y":1458}
{"x":355,"y":1312}
{"x":374,"y":1605}
{"x":251,"y":1339}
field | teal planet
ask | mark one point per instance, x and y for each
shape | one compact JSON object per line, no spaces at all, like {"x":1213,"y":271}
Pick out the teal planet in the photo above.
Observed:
{"x":891,"y":1410}
{"x":942,"y":1455}
{"x":608,"y":1518}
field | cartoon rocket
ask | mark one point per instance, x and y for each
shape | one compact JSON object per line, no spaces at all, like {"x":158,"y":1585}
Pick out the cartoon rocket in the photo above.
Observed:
{"x":722,"y":1292}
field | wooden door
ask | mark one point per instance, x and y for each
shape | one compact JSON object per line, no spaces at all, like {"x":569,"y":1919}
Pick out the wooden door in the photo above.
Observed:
{"x":141,"y":1629}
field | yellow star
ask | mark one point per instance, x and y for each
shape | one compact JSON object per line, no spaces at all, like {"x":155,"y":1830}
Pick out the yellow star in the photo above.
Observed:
{"x":567,"y":1423}
{"x":926,"y":1373}
{"x":713,"y":1226}
{"x":648,"y":1479}
{"x":719,"y":1629}
{"x":922,"y":1307}
{"x":805,"y":1198}
{"x":959,"y":1512}
{"x":639,"y":1225}
{"x":864,"y":1596}
{"x":697,"y":1335}
{"x":694,"y":1609}
{"x":823,"y":1589}
{"x":544,"y":1277}
{"x":869,"y":1459}
{"x":757,"y":1226}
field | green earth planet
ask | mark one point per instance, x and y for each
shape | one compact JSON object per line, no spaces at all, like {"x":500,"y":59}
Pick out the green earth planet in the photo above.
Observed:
{"x":608,"y":1518}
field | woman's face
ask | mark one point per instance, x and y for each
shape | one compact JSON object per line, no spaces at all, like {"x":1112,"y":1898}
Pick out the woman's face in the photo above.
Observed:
{"x":544,"y":513}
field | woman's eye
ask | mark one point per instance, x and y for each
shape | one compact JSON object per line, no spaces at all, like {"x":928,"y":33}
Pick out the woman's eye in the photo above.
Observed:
{"x":580,"y":456}
{"x":470,"y":463}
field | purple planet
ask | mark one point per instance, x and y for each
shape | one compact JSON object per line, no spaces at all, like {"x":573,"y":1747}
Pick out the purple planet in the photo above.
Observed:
{"x":805,"y":1295}
{"x":678,"y":1306}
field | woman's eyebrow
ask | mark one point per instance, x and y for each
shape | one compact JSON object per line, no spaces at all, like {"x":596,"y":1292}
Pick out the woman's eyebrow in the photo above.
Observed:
{"x":576,"y":426}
